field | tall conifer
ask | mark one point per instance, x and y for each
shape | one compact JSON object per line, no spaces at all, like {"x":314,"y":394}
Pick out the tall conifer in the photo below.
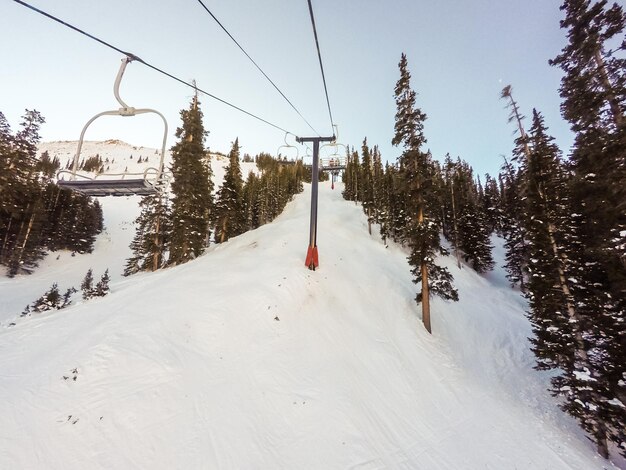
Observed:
{"x":422,"y":233}
{"x":191,"y":188}
{"x":229,"y":205}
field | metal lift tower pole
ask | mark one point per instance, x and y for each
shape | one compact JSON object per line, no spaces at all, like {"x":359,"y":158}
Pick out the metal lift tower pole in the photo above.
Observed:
{"x":312,"y":259}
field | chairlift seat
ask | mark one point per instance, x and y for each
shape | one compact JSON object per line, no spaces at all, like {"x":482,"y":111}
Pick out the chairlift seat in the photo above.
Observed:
{"x":332,"y":164}
{"x":110,"y":187}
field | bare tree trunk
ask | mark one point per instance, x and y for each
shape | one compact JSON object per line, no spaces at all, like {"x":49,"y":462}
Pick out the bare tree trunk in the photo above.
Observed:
{"x":506,"y":93}
{"x":369,"y":219}
{"x":28,"y":229}
{"x":156,"y":256}
{"x":3,"y":252}
{"x":600,"y":435}
{"x":223,"y":234}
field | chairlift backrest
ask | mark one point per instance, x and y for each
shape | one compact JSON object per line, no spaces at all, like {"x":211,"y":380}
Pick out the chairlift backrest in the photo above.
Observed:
{"x":286,"y":145}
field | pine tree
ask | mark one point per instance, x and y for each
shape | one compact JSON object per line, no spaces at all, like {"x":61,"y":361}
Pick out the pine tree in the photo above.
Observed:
{"x":367,"y":184}
{"x":593,"y":89}
{"x":151,"y":241}
{"x":422,"y":233}
{"x":86,"y":286}
{"x":192,"y":199}
{"x":467,"y":225}
{"x":67,"y":297}
{"x":229,"y":209}
{"x":594,"y":102}
{"x":350,"y":177}
{"x":250,"y":198}
{"x":102,"y":288}
{"x":50,"y":300}
{"x":490,"y":203}
{"x":378,"y":175}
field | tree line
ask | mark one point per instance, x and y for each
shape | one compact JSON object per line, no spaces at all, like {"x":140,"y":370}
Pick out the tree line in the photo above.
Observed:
{"x":36,"y":215}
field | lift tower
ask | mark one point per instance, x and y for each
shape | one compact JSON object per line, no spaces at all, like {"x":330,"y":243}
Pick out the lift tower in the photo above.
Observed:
{"x":312,"y":260}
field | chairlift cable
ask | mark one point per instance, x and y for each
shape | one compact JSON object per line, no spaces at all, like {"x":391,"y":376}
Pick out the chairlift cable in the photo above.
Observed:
{"x":256,"y":65}
{"x":147,"y":64}
{"x":319,"y":55}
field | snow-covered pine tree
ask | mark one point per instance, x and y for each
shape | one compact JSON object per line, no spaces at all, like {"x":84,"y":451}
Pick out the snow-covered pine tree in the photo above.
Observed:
{"x":490,"y":203}
{"x":229,"y":210}
{"x":473,"y":232}
{"x":593,"y":89}
{"x":351,"y":176}
{"x":152,"y":233}
{"x":86,"y":286}
{"x":397,"y":215}
{"x":378,"y":175}
{"x":366,"y":188}
{"x":383,"y":207}
{"x":67,"y":297}
{"x":449,"y":207}
{"x":50,"y":300}
{"x":191,"y":188}
{"x":250,"y":198}
{"x":102,"y":287}
{"x":422,"y":233}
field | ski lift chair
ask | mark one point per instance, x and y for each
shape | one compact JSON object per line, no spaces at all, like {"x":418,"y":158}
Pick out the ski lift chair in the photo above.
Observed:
{"x":286,"y":145}
{"x":145,"y":183}
{"x":333,"y":162}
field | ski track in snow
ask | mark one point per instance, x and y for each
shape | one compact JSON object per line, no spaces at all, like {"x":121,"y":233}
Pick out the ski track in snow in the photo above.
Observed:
{"x":244,"y":359}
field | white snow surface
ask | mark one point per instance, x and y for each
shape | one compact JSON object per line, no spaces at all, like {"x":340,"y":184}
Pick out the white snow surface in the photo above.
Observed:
{"x":244,"y":359}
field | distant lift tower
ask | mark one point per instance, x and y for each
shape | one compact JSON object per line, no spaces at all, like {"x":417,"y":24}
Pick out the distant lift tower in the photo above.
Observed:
{"x":312,"y":260}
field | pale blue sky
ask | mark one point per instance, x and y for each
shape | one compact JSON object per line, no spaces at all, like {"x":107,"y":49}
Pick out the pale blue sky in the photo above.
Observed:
{"x":461,"y":54}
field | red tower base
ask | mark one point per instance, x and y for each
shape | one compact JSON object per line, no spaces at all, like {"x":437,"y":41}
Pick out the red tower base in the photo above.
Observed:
{"x":312,"y":260}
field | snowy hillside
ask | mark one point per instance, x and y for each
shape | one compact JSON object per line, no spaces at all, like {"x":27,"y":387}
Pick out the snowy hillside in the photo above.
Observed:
{"x":245,"y":359}
{"x":120,"y":156}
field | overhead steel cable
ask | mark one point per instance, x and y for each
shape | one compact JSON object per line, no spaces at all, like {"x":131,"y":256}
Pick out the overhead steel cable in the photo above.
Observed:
{"x":147,"y":64}
{"x":255,"y":64}
{"x":319,"y":55}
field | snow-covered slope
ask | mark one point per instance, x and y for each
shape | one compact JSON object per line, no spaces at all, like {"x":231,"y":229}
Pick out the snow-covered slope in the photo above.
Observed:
{"x":246,"y":359}
{"x":120,"y":156}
